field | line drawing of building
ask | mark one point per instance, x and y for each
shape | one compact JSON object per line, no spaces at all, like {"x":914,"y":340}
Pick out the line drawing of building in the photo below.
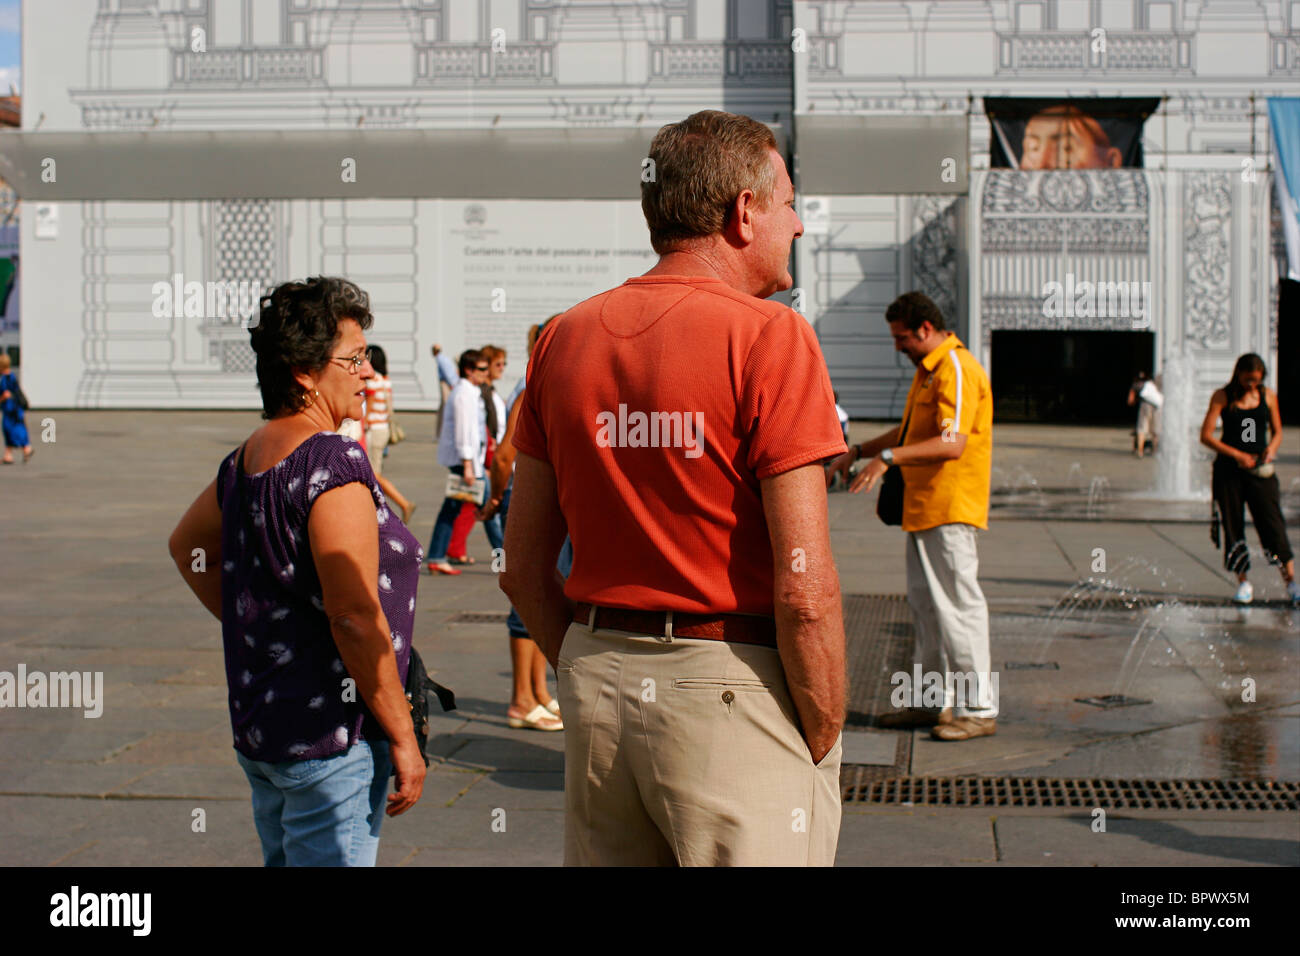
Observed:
{"x":1188,"y":222}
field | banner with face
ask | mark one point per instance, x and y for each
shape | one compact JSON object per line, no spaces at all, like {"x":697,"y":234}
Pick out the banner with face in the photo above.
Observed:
{"x":1062,"y":133}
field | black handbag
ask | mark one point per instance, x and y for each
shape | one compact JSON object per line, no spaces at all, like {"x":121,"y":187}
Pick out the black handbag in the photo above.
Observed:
{"x":418,"y":685}
{"x":889,"y":504}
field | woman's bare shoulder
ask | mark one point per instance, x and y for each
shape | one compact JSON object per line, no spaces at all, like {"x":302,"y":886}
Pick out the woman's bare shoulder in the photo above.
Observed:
{"x":273,"y":442}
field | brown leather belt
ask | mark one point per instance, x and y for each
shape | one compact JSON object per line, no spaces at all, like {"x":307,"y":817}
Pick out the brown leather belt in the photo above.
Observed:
{"x":731,"y":628}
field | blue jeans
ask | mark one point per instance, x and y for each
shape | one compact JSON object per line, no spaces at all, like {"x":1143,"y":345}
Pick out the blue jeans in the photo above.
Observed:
{"x":515,"y":623}
{"x":324,"y":812}
{"x":442,"y":526}
{"x":495,"y":531}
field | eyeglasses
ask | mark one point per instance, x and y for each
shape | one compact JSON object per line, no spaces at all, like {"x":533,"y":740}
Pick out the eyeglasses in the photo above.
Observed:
{"x":356,"y":360}
{"x":480,"y":368}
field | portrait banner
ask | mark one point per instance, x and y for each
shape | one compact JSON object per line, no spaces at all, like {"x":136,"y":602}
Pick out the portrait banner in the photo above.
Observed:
{"x":1062,"y":133}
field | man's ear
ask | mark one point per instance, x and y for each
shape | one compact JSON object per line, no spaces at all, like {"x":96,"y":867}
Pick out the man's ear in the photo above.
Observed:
{"x":740,"y":218}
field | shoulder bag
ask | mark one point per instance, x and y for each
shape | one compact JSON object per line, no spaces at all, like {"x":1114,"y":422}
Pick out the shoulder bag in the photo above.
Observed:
{"x":889,"y":505}
{"x":418,"y":685}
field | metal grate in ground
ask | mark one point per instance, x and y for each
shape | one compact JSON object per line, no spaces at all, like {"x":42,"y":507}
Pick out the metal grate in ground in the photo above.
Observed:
{"x":480,"y":617}
{"x":1080,"y":793}
{"x":878,"y":629}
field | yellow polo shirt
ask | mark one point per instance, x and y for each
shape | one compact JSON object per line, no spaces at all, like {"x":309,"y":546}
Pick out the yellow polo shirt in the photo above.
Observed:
{"x":950,"y":394}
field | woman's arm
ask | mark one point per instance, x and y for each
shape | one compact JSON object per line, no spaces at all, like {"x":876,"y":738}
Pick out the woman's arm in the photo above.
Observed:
{"x":195,"y":546}
{"x":344,"y":535}
{"x":504,"y":461}
{"x":1218,"y":401}
{"x":1275,"y":426}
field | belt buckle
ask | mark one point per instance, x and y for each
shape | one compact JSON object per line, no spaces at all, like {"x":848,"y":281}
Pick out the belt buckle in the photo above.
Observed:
{"x":667,"y":636}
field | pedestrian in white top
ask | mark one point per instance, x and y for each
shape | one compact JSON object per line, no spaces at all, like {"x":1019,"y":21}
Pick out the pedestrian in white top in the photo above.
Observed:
{"x":461,"y":449}
{"x":379,"y":407}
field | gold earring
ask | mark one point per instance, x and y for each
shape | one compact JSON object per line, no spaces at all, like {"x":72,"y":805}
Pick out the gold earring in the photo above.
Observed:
{"x":315,"y":395}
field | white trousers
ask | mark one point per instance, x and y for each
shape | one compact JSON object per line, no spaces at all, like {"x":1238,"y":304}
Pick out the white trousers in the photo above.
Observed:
{"x":376,"y":442}
{"x":951,"y":617}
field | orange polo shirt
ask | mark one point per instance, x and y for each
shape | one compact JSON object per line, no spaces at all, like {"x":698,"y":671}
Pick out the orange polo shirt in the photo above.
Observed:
{"x":950,"y":394}
{"x":661,"y":404}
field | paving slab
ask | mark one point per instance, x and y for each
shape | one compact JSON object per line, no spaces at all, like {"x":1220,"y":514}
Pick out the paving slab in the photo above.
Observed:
{"x":914,"y":838}
{"x":869,"y":747}
{"x":1180,"y":842}
{"x":514,"y":790}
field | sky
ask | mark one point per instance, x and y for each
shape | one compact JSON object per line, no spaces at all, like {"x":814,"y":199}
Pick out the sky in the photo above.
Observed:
{"x":10,"y":45}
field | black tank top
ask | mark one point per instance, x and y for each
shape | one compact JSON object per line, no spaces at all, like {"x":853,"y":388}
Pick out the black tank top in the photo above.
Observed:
{"x":1236,"y":429}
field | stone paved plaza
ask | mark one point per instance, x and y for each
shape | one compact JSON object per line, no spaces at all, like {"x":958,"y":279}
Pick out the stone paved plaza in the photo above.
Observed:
{"x":89,"y":585}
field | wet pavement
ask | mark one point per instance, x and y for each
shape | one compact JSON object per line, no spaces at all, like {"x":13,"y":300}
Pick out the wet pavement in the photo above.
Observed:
{"x":1091,"y":595}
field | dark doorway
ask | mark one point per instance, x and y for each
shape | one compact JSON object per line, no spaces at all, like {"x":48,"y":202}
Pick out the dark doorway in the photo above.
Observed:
{"x":1078,"y":378}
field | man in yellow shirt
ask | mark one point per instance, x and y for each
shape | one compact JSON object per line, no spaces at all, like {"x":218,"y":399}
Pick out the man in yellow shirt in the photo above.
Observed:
{"x":945,"y":451}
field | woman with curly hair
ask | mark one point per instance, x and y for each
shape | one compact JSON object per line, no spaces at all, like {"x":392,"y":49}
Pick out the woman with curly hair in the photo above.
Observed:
{"x":315,"y":590}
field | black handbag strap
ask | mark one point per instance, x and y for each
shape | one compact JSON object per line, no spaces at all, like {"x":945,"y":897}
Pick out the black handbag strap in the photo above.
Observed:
{"x":902,"y":433}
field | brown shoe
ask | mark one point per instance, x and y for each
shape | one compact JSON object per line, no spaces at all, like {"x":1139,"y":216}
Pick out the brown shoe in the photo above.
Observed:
{"x":964,"y":728}
{"x":914,"y":717}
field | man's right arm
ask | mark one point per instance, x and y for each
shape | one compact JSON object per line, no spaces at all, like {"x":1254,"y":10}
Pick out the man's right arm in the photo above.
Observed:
{"x":890,"y":439}
{"x":865,"y":452}
{"x":806,"y":599}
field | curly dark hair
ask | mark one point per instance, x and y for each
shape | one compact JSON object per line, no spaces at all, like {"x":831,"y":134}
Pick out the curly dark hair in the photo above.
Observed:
{"x":297,"y":330}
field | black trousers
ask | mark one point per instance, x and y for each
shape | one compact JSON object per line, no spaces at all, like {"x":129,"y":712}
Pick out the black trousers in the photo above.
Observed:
{"x":1234,"y":487}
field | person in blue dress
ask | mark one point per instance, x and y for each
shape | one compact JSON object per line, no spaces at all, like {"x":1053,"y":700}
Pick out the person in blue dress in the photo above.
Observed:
{"x":15,"y":425}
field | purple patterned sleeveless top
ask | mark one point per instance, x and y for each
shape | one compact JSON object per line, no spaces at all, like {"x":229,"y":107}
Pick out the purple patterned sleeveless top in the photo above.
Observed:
{"x":284,"y":673}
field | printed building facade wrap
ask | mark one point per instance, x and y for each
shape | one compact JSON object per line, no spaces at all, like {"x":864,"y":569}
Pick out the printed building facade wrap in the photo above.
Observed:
{"x":1189,"y":223}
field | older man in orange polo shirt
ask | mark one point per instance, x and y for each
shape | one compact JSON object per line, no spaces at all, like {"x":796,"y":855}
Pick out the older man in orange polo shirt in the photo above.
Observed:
{"x":675,"y":426}
{"x":944,"y":449}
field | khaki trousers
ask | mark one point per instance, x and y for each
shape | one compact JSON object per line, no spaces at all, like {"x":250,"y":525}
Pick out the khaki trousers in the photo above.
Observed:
{"x":688,"y":752}
{"x":951,"y":617}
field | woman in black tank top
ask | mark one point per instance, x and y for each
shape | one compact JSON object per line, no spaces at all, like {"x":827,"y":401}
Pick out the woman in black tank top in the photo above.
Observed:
{"x":1244,"y":475}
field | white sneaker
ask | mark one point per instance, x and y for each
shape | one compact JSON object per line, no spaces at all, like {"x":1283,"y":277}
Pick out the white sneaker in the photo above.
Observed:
{"x":1245,"y":594}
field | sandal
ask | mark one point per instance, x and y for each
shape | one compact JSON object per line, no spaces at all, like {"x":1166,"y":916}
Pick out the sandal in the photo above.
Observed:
{"x":553,"y":706}
{"x":436,"y":567}
{"x":539,"y":718}
{"x":463,"y":559}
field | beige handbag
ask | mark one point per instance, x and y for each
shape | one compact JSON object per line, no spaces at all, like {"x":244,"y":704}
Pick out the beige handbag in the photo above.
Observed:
{"x":395,"y":431}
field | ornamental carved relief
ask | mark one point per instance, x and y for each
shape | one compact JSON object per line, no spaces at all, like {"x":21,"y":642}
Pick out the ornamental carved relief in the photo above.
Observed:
{"x":1111,"y":191}
{"x":1207,"y":257}
{"x":934,"y":251}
